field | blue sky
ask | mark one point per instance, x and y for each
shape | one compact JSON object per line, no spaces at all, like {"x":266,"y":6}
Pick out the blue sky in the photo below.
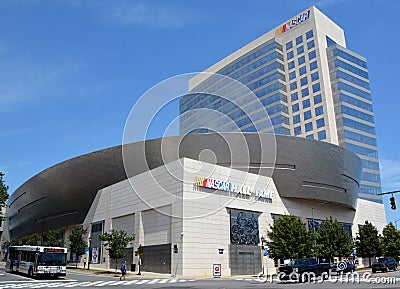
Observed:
{"x":70,"y":71}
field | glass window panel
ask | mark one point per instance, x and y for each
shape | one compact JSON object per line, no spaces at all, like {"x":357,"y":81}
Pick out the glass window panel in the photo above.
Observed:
{"x":308,"y":126}
{"x":322,"y":135}
{"x":305,"y":92}
{"x":306,"y":103}
{"x":295,"y":96}
{"x":303,"y":81}
{"x":320,"y":122}
{"x":300,"y":49}
{"x":301,"y":60}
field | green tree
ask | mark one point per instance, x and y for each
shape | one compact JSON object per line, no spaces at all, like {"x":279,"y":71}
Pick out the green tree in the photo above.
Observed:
{"x":3,"y":193}
{"x":54,"y":238}
{"x":333,"y":240}
{"x":289,"y":238}
{"x":368,"y":241}
{"x":33,"y":240}
{"x":115,"y":243}
{"x":391,"y":241}
{"x":77,"y":241}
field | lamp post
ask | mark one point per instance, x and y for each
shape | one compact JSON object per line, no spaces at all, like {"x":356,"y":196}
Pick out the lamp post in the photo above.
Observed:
{"x":313,"y":224}
{"x":88,"y":264}
{"x":395,"y":223}
{"x":262,"y":253}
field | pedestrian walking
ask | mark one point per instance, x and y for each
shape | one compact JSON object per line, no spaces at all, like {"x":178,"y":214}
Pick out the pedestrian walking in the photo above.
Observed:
{"x":84,"y":262}
{"x":123,"y":271}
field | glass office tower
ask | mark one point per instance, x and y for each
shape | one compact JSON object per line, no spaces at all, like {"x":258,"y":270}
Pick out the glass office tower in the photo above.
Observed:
{"x":306,"y":79}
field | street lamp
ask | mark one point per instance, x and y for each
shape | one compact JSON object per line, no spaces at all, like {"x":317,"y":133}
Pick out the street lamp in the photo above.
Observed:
{"x":88,"y":264}
{"x":262,"y":253}
{"x":313,"y":222}
{"x":395,"y":223}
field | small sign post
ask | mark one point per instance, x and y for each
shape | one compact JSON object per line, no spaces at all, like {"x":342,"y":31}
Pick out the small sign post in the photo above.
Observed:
{"x":216,"y":270}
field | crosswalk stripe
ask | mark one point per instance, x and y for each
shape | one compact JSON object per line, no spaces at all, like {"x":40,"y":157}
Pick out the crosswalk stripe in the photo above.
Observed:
{"x":71,"y":284}
{"x":104,"y":283}
{"x":131,"y":282}
{"x":117,"y":283}
{"x":91,"y":284}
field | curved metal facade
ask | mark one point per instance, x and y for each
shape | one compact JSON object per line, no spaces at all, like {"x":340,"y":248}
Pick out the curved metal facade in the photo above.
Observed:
{"x":62,"y":194}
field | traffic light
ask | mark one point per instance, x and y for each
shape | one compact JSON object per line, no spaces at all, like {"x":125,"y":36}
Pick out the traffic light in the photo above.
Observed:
{"x":392,"y":203}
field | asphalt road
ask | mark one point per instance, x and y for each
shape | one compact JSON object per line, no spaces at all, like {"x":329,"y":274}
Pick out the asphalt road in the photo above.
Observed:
{"x":90,"y":280}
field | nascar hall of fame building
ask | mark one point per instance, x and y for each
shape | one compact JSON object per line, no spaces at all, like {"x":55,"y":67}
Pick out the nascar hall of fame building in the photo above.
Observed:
{"x":205,"y":199}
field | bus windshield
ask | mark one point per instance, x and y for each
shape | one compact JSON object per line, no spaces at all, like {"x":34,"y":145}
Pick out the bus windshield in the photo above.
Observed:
{"x":52,"y":259}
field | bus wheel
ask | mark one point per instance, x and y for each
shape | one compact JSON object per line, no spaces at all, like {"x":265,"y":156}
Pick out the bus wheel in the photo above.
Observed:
{"x":30,"y":272}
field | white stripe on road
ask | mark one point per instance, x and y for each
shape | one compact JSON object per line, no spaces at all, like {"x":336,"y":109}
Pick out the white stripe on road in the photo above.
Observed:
{"x":104,"y":283}
{"x":131,"y":282}
{"x":153,"y":281}
{"x":142,"y":282}
{"x":163,"y":281}
{"x":92,"y":283}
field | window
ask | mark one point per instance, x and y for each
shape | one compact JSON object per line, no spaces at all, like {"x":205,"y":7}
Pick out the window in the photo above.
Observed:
{"x":295,"y":96}
{"x":299,"y":39}
{"x":313,"y":65}
{"x":319,"y":110}
{"x":329,"y":41}
{"x":314,"y":76}
{"x":293,"y":85}
{"x":292,"y":75}
{"x":301,"y":60}
{"x":296,"y":119}
{"x":307,"y":115}
{"x":306,"y":103}
{"x":317,"y":99}
{"x":289,"y":45}
{"x":303,"y":81}
{"x":295,"y":107}
{"x":290,"y":55}
{"x":305,"y":92}
{"x":310,"y":44}
{"x":320,"y":122}
{"x":308,"y":126}
{"x":322,"y":135}
{"x":297,"y":130}
{"x":312,"y":55}
{"x":300,"y":49}
{"x":310,"y":136}
{"x":316,"y":87}
{"x":302,"y":70}
{"x":309,"y":34}
{"x":290,"y":64}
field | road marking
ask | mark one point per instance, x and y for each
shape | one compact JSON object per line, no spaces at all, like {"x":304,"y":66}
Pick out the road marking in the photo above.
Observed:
{"x":131,"y":282}
{"x":71,"y":284}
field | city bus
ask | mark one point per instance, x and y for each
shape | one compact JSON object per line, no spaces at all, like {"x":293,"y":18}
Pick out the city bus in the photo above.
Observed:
{"x":37,"y":260}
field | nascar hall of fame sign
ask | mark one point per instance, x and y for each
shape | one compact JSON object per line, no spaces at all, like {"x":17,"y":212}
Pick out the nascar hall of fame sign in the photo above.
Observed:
{"x":237,"y":189}
{"x":294,"y":22}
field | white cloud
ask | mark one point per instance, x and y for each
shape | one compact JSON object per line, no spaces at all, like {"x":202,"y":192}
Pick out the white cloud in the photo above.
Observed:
{"x":24,"y":81}
{"x":17,"y":132}
{"x":146,"y":15}
{"x":390,"y":174}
